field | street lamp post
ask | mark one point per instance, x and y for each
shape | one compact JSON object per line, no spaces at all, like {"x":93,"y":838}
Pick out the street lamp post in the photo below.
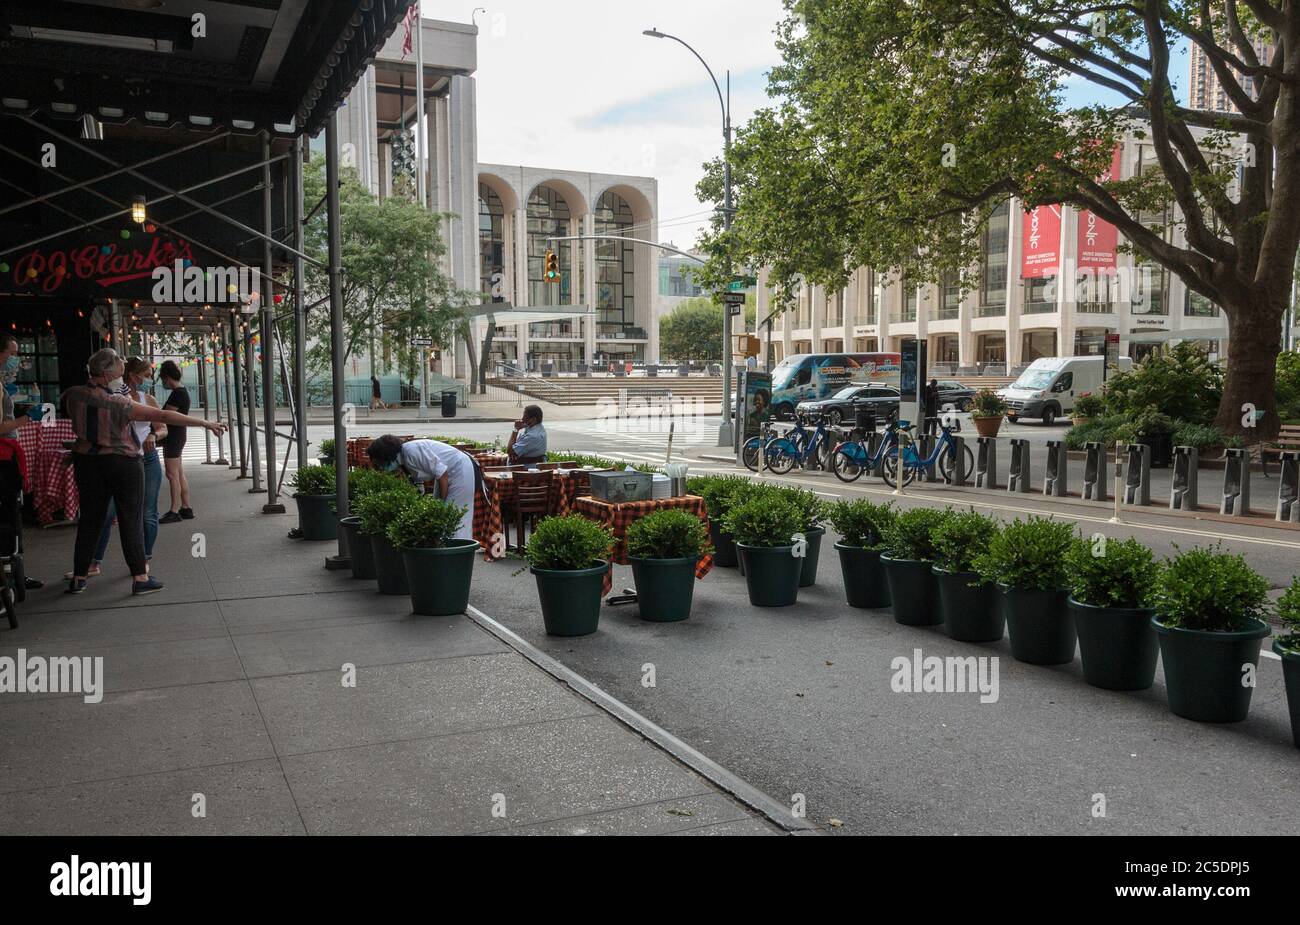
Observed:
{"x":725,"y":437}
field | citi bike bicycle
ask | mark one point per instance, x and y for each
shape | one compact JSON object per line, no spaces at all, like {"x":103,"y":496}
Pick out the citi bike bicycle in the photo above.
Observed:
{"x":913,"y":464}
{"x":853,"y":457}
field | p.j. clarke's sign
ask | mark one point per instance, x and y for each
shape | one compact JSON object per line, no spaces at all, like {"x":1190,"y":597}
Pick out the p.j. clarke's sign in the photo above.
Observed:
{"x":164,"y":270}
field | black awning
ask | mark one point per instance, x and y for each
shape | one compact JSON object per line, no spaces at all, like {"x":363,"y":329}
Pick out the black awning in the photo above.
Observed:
{"x":248,"y":65}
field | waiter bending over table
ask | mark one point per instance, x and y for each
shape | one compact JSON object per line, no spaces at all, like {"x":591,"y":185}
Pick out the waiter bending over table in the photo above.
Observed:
{"x":455,"y":472}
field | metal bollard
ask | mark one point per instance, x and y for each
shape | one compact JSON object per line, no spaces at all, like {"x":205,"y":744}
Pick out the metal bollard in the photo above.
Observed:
{"x":1288,"y":489}
{"x":960,"y":476}
{"x":1183,"y":495}
{"x":874,"y":439}
{"x":1095,"y":485}
{"x":1054,"y":480}
{"x":1236,"y":483}
{"x":1137,"y":483}
{"x":986,"y":463}
{"x":1018,"y":479}
{"x":924,"y":447}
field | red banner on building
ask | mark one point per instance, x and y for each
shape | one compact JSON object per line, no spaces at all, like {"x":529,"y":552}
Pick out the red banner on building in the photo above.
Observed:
{"x":1099,"y":239}
{"x":1040,"y":250}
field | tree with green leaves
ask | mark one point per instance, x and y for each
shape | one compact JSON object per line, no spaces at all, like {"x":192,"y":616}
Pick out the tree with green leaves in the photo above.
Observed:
{"x":897,"y":129}
{"x":692,"y":331}
{"x":394,"y":289}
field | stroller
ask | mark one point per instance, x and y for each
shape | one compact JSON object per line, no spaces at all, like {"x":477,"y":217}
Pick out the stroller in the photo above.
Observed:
{"x":13,"y":579}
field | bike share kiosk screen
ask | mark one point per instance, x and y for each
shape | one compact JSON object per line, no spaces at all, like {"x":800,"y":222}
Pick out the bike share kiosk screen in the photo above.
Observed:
{"x":912,"y":382}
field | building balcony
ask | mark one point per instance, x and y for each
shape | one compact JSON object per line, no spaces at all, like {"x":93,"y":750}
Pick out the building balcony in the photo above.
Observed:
{"x":1039,"y":308}
{"x":991,"y":311}
{"x":1096,"y":308}
{"x":903,"y":318}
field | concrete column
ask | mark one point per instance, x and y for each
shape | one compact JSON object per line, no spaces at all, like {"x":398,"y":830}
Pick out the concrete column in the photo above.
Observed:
{"x":817,"y":310}
{"x":521,"y":279}
{"x":588,"y":299}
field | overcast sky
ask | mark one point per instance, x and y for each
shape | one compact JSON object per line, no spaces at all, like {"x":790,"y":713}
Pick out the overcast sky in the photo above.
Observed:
{"x":573,"y":84}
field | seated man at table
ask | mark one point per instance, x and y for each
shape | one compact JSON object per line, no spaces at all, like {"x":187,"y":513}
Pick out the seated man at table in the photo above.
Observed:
{"x":528,"y":442}
{"x":456,"y":473}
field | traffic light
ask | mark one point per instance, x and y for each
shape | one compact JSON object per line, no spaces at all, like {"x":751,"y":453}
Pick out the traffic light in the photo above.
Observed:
{"x":552,"y":267}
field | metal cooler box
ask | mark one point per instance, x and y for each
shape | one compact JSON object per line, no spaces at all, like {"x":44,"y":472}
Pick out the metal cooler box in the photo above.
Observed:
{"x":617,"y":487}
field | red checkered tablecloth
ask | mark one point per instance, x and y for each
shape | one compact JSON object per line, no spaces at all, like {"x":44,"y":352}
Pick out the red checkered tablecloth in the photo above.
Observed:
{"x":621,"y":516}
{"x":564,"y":490}
{"x":49,"y":471}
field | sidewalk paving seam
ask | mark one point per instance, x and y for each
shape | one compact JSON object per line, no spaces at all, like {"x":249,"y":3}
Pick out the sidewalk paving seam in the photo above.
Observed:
{"x":648,"y":730}
{"x":743,"y":814}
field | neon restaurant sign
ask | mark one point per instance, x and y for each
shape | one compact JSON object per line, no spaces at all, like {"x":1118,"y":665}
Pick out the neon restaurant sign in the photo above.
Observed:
{"x":125,"y":268}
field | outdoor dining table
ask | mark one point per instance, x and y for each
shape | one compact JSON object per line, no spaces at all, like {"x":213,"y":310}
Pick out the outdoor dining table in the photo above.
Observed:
{"x":621,"y":516}
{"x":564,"y":490}
{"x":50,"y":480}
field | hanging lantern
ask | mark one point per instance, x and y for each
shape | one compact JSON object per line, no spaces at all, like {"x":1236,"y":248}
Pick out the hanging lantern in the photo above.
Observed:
{"x":150,"y":228}
{"x":31,"y":273}
{"x":277,"y":298}
{"x":125,"y":234}
{"x":138,"y":210}
{"x":4,"y":268}
{"x":106,"y":249}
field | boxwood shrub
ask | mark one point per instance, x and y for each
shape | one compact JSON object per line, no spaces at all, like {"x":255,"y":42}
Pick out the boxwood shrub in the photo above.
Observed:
{"x":668,"y":535}
{"x":1028,"y":555}
{"x":1111,"y":573}
{"x":569,"y":543}
{"x":1209,"y":589}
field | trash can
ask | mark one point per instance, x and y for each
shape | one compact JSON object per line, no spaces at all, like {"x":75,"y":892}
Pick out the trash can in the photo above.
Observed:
{"x":449,"y":397}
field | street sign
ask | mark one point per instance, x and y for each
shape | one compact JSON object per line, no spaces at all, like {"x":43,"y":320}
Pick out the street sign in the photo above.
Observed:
{"x":735,"y":310}
{"x":422,"y":342}
{"x":733,"y":298}
{"x":741,"y":283}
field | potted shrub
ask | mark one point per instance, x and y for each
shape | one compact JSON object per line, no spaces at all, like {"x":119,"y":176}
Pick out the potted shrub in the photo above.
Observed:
{"x":968,"y":601}
{"x":1086,"y":407}
{"x":1209,"y":620}
{"x":1287,"y":646}
{"x":664,"y":549}
{"x":1027,"y":561}
{"x":361,"y":482}
{"x":719,"y":494}
{"x":812,"y":514}
{"x":315,"y":492}
{"x":1111,"y":582}
{"x":438,"y":567}
{"x":986,"y":410}
{"x":326,"y":457}
{"x":376,"y":511}
{"x":861,"y":525}
{"x":569,"y":558}
{"x":907,"y":556}
{"x":764,"y":528}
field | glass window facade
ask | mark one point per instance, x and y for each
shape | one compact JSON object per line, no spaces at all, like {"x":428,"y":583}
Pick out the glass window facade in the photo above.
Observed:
{"x":548,"y":215}
{"x":491,"y":237}
{"x":1198,"y":306}
{"x":615,"y":267}
{"x":994,"y":242}
{"x":676,"y":279}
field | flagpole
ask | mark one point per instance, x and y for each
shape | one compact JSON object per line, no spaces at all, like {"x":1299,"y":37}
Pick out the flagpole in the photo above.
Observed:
{"x":419,"y":109}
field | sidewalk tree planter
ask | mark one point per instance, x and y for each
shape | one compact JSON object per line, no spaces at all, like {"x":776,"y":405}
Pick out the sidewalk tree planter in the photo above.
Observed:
{"x":1086,"y":407}
{"x":326,"y":455}
{"x":1287,"y":646}
{"x":968,"y":601}
{"x":720,"y":493}
{"x":764,"y":529}
{"x":1027,"y":561}
{"x":569,"y":558}
{"x":908,"y":556}
{"x":362,"y":482}
{"x":377,"y":510}
{"x":664,"y":549}
{"x":314,"y":491}
{"x":1210,"y":607}
{"x":438,"y":567}
{"x":862,"y":525}
{"x":987,"y":411}
{"x":1111,"y":583}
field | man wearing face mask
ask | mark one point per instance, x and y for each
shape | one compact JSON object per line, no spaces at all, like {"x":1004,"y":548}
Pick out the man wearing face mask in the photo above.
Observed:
{"x":457,"y":474}
{"x":106,"y":460}
{"x":9,"y":423}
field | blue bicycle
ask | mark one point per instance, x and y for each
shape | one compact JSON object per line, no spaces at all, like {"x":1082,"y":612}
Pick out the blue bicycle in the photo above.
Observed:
{"x":798,"y":436}
{"x":783,"y":453}
{"x":852,"y":458}
{"x":944,"y":454}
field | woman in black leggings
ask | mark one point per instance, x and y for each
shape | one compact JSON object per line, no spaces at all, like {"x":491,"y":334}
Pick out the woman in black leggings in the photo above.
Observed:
{"x":174,"y":444}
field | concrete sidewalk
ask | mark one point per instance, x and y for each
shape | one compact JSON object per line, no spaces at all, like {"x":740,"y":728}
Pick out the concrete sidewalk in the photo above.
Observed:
{"x":227,"y":692}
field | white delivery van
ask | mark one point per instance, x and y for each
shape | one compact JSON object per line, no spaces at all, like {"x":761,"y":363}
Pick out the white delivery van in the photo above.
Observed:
{"x":1048,"y":389}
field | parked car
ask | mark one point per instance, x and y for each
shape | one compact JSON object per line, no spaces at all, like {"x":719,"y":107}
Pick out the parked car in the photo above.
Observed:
{"x":840,"y":406}
{"x":952,"y":392}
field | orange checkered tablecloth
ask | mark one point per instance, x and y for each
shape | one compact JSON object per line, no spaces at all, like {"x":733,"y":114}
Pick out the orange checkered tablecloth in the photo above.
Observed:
{"x":621,"y":516}
{"x":564,"y":490}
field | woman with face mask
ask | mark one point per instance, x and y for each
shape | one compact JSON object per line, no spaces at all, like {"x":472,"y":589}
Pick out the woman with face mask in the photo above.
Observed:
{"x":456,"y":474}
{"x":9,"y":366}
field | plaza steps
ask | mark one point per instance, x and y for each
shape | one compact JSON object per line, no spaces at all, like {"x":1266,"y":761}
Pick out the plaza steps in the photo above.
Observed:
{"x":572,"y":390}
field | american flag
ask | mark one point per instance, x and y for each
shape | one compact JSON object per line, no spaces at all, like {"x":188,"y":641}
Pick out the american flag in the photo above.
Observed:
{"x":412,"y":16}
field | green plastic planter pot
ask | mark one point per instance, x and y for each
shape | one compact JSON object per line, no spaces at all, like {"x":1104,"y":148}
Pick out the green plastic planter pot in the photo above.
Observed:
{"x":439,"y":578}
{"x":1039,"y":625}
{"x":664,"y":588}
{"x":771,"y":574}
{"x":971,"y":612}
{"x":316,"y":517}
{"x":913,"y":591}
{"x":1291,"y":675}
{"x":359,"y":551}
{"x":1203,"y":670}
{"x":1117,"y":646}
{"x":808,"y":573}
{"x":724,"y":547}
{"x":390,"y":568}
{"x":570,"y":599}
{"x":865,"y":584}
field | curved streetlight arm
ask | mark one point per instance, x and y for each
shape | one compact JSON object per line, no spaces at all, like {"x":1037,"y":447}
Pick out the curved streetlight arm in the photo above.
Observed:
{"x":655,"y":33}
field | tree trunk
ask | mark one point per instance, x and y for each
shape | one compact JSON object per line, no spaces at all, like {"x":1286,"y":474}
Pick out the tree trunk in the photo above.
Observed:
{"x":471,"y":352}
{"x":487,"y":353}
{"x":1251,"y":382}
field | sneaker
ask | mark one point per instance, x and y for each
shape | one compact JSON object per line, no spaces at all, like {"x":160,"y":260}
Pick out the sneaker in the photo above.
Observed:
{"x":148,"y":586}
{"x":187,"y":513}
{"x":76,"y":585}
{"x":91,"y":573}
{"x":34,"y":584}
{"x":171,"y":517}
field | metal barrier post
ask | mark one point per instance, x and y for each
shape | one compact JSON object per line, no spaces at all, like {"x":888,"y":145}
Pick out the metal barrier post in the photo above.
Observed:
{"x":1018,"y":479}
{"x":925,"y":446}
{"x":1055,"y":480}
{"x":1137,"y":486}
{"x":1094,"y":473}
{"x":1183,"y":495}
{"x":1236,"y":483}
{"x":986,"y":463}
{"x":959,"y":474}
{"x":1288,"y":489}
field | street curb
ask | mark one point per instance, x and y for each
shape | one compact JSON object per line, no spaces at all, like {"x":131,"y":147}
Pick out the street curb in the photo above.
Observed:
{"x":746,"y":793}
{"x":717,"y":458}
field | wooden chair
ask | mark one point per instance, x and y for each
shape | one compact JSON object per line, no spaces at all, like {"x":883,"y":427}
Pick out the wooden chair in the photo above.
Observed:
{"x":570,"y":465}
{"x":582,"y":479}
{"x":548,"y":467}
{"x":532,"y":500}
